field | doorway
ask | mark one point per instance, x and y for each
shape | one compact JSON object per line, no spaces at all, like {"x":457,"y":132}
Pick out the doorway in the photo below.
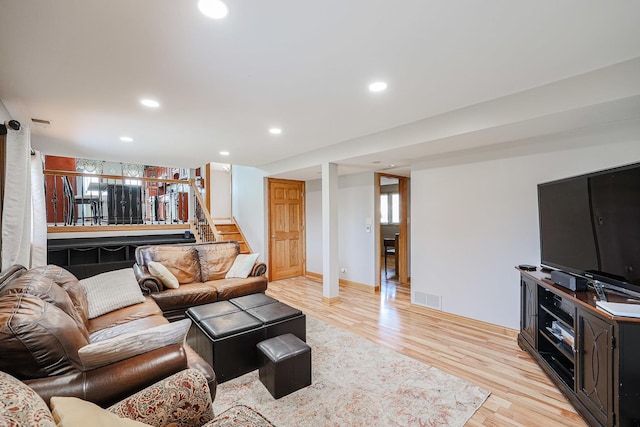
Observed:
{"x":393,"y":228}
{"x":287,"y":250}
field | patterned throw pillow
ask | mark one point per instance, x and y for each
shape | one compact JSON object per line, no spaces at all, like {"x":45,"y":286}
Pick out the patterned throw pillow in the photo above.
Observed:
{"x":111,"y":291}
{"x":20,"y":405}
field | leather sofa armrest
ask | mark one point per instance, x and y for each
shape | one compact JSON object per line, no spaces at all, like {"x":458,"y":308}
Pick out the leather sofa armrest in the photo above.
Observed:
{"x":148,"y":282}
{"x":259,"y":268}
{"x":106,"y":385}
{"x":182,"y":399}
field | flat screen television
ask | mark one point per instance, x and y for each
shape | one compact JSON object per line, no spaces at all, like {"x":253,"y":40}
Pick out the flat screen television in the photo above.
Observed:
{"x":590,"y":226}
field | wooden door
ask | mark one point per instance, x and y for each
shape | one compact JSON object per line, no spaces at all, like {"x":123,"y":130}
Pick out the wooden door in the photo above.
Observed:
{"x":286,"y":229}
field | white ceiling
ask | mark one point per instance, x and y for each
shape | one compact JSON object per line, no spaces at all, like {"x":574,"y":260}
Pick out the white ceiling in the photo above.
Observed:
{"x":461,"y":74}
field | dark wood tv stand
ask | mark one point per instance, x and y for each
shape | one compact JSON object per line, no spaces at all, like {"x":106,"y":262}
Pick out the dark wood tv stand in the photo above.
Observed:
{"x":600,"y":372}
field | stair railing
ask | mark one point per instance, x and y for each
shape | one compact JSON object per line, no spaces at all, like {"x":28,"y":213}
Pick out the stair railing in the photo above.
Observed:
{"x":202,"y":225}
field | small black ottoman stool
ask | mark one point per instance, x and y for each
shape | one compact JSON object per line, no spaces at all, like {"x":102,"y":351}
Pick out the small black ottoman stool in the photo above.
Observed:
{"x":285,"y":364}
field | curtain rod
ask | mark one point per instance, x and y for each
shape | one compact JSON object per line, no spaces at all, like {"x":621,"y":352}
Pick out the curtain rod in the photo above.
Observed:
{"x":13,"y":124}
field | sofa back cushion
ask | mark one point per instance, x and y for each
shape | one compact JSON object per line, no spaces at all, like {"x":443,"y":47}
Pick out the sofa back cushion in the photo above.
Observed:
{"x":71,"y":286}
{"x":216,"y":259}
{"x":180,"y":260}
{"x":34,"y":282}
{"x":37,"y":338}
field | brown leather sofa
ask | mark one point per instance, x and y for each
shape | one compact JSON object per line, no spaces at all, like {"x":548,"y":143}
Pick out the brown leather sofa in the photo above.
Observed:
{"x":200,"y":269}
{"x":44,"y":322}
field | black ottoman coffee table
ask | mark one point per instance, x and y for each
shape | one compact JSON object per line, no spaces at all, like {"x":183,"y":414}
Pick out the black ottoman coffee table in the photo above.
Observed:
{"x":225,"y":333}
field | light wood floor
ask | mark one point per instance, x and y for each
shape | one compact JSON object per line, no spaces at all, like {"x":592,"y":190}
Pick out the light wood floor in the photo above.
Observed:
{"x":484,"y":354}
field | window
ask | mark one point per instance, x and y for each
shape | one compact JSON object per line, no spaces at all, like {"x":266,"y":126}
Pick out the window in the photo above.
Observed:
{"x":390,"y":208}
{"x":384,"y":209}
{"x":88,"y":188}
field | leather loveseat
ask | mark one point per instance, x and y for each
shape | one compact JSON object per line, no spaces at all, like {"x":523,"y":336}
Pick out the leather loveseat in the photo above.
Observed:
{"x":200,"y":269}
{"x":44,"y":323}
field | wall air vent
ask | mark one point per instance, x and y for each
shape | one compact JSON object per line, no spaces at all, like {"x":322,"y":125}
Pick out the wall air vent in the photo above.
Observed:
{"x":427,"y":300}
{"x":41,"y":122}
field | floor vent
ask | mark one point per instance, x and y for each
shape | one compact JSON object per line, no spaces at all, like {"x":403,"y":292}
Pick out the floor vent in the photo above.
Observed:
{"x":420,"y":298}
{"x":434,"y":301}
{"x":428,"y":300}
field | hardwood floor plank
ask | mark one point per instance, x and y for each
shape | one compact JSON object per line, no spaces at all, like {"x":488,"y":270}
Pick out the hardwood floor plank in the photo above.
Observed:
{"x":486,"y":355}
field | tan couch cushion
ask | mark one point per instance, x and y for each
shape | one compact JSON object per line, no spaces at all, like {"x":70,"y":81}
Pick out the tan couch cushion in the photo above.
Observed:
{"x":187,"y":295}
{"x":74,"y":412}
{"x":231,"y":288}
{"x":181,"y":261}
{"x":216,"y":259}
{"x":144,"y":310}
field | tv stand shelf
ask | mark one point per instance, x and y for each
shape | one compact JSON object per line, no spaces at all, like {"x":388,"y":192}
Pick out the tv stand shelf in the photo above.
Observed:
{"x":590,"y":355}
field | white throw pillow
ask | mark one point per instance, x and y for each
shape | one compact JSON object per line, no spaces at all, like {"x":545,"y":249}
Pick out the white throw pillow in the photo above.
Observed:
{"x":111,"y":291}
{"x":242,"y":266}
{"x":131,"y":344}
{"x":166,"y":277}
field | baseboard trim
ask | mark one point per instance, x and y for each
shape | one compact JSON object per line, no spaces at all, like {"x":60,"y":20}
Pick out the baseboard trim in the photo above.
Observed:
{"x":330,"y":301}
{"x":417,"y":308}
{"x":313,"y":275}
{"x":463,"y":320}
{"x":344,"y":282}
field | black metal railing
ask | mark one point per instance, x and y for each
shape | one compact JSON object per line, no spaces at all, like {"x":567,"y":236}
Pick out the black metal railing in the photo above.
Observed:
{"x":75,"y":199}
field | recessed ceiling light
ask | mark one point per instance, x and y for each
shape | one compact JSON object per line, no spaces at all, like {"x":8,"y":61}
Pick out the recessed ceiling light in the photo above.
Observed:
{"x":275,"y":131}
{"x":224,"y":153}
{"x":213,"y":8}
{"x":150,"y":103}
{"x":126,"y":139}
{"x":377,"y":86}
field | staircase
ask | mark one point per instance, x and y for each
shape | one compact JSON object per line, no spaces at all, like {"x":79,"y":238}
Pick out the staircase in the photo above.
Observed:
{"x":208,"y":229}
{"x":228,"y":229}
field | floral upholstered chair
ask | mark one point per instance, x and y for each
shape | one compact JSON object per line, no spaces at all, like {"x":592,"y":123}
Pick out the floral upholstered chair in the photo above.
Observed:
{"x":181,"y":400}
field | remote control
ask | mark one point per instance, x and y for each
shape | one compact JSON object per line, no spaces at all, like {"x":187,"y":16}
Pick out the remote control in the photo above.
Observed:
{"x":600,"y":291}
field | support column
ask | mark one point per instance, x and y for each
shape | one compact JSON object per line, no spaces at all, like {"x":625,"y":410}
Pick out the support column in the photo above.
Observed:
{"x":330,"y":273}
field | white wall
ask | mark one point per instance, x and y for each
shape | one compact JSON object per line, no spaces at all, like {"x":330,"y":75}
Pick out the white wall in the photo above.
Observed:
{"x":475,"y":218}
{"x":220,"y":193}
{"x":248,"y":206}
{"x":357,"y":249}
{"x":4,"y":114}
{"x":313,"y":210}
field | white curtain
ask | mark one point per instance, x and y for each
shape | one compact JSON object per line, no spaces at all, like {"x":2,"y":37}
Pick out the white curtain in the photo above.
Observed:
{"x":39,"y":210}
{"x":24,"y":228}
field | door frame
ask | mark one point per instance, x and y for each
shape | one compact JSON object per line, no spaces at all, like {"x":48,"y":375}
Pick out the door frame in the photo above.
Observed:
{"x":303,"y":217}
{"x":403,"y":245}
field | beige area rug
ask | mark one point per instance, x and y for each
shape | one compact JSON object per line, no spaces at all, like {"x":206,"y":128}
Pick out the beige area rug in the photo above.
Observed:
{"x":358,"y":383}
